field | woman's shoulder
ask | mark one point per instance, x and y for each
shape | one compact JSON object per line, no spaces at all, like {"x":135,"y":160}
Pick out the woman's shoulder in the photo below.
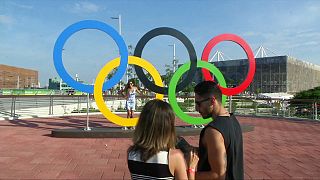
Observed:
{"x":177,"y":161}
{"x":176,"y":154}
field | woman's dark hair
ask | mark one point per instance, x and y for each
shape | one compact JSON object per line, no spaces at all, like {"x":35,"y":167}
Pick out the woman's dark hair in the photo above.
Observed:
{"x":128,"y":85}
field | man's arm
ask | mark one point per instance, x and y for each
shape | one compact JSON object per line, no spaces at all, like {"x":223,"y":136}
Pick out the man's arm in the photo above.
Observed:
{"x":217,"y":156}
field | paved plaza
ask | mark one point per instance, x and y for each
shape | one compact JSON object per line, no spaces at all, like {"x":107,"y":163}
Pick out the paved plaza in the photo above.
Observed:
{"x":276,"y":149}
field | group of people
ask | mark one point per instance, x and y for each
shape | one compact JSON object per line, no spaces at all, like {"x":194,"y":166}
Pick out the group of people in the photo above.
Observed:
{"x":154,"y":155}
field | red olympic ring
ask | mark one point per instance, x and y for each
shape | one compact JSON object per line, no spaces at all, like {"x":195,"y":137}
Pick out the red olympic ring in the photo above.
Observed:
{"x":252,"y":63}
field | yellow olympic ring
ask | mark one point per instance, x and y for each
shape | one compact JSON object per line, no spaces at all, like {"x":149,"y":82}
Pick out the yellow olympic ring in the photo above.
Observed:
{"x":101,"y":78}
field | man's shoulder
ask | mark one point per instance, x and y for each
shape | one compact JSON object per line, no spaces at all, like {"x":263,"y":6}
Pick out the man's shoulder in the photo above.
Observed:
{"x":212,"y":135}
{"x":223,"y":120}
{"x":220,"y":126}
{"x":212,"y":130}
{"x":217,"y":122}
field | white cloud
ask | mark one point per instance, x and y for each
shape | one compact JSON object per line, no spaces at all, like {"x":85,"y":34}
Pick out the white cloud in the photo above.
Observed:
{"x":84,"y":7}
{"x":313,"y":7}
{"x":23,"y":6}
{"x":6,"y":20}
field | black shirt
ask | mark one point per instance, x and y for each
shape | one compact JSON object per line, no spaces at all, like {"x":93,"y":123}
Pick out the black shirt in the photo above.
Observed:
{"x":231,"y":131}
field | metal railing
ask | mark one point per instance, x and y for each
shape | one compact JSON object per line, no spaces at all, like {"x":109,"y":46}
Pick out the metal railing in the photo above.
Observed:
{"x":291,"y":108}
{"x":16,"y":106}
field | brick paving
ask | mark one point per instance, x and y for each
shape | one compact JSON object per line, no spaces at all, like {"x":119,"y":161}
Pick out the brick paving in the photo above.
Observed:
{"x":276,"y":149}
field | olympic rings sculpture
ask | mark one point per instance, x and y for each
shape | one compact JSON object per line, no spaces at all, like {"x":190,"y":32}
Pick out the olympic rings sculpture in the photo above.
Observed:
{"x":139,"y":63}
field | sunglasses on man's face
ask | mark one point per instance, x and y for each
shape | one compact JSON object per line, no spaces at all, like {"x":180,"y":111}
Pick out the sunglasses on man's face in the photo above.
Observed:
{"x":198,"y":103}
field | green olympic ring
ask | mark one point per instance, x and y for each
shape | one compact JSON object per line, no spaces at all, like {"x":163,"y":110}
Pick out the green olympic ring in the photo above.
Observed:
{"x":172,"y":89}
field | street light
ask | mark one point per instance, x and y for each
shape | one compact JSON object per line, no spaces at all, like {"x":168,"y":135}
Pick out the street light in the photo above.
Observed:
{"x":119,"y":22}
{"x":174,"y":61}
{"x":120,"y":32}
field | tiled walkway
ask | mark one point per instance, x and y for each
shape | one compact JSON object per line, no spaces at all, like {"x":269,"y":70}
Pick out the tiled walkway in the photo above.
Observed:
{"x":276,"y":149}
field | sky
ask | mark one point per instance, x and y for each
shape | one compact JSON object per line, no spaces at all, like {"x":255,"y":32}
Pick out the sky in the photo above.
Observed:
{"x":30,"y":28}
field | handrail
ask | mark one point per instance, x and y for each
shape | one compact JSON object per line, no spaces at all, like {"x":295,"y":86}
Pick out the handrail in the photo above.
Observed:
{"x":152,"y":96}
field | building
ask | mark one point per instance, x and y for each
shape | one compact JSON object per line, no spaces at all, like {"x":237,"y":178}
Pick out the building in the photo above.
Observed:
{"x":54,"y":83}
{"x":58,"y":84}
{"x":273,"y":74}
{"x":17,"y":78}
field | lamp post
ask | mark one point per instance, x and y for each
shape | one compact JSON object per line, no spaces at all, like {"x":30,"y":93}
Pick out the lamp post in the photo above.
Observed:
{"x":120,"y":32}
{"x":174,"y":61}
{"x":87,"y":128}
{"x":119,"y":22}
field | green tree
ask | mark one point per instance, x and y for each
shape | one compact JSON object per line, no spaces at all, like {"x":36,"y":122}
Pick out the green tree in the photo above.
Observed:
{"x":304,"y":108}
{"x":130,"y":71}
{"x":189,"y":89}
{"x":149,"y":76}
{"x":309,"y":94}
{"x":167,"y":77}
{"x":109,"y":76}
{"x":258,"y":90}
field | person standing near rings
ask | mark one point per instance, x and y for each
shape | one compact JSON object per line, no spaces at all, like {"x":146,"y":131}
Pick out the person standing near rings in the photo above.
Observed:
{"x":220,"y":143}
{"x":153,"y":154}
{"x":130,"y":94}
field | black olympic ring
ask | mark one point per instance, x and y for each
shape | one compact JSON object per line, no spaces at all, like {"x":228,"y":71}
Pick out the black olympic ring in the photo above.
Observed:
{"x":187,"y":43}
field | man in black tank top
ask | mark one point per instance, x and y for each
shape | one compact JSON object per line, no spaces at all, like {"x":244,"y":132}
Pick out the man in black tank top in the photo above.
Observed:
{"x":220,"y":143}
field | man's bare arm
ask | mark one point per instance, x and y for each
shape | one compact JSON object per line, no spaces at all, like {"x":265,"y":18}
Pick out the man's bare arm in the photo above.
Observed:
{"x":217,"y":156}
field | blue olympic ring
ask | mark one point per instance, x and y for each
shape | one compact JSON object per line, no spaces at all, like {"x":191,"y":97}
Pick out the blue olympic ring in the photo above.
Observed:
{"x":89,"y":24}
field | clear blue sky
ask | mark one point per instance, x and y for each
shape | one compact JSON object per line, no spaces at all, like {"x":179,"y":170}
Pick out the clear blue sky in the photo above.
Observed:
{"x":29,"y":29}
